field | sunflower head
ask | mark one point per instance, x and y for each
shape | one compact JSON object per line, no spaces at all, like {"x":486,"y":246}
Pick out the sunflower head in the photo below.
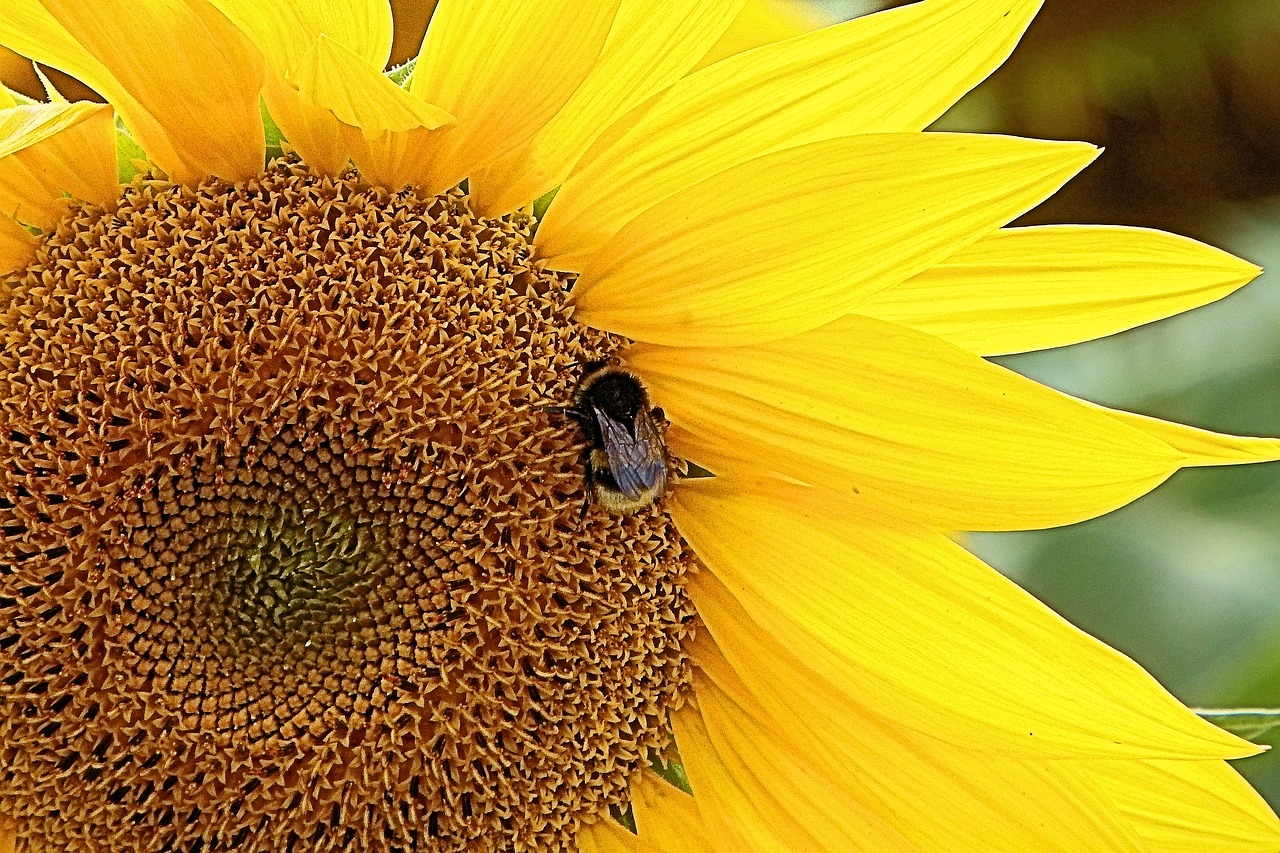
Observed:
{"x":291,"y":534}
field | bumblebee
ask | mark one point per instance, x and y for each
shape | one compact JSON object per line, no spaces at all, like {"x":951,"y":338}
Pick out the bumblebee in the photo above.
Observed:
{"x":625,"y":458}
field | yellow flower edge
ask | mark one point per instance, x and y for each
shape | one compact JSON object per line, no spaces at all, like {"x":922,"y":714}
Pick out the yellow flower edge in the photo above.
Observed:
{"x":811,"y":281}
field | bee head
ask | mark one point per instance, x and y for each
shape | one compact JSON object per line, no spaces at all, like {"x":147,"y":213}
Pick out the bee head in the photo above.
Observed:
{"x":614,"y":391}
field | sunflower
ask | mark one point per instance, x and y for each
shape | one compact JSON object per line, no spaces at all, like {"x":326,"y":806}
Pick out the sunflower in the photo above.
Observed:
{"x":296,"y":550}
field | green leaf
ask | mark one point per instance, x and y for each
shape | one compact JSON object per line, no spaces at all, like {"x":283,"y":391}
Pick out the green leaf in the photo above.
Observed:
{"x":272,"y":132}
{"x":402,"y":74}
{"x":128,"y":154}
{"x":540,"y":206}
{"x":625,"y":817}
{"x":671,"y":771}
{"x":1248,"y":723}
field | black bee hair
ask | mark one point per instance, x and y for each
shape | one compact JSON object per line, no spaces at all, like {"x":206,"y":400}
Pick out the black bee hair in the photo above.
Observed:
{"x":625,"y":457}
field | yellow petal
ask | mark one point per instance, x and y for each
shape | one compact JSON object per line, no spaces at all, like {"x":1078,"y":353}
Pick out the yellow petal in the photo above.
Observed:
{"x":1200,"y":446}
{"x":312,"y":129}
{"x":7,"y":840}
{"x":978,"y":801}
{"x":332,"y":76}
{"x":905,"y":622}
{"x":668,"y":818}
{"x":51,"y":151}
{"x":380,"y":124}
{"x":1189,"y":807}
{"x":183,"y":79}
{"x":1026,"y":289}
{"x":343,"y":111}
{"x":792,"y":240}
{"x":653,"y":43}
{"x":286,"y":30}
{"x":746,"y":780}
{"x":17,"y":249}
{"x":608,"y":836}
{"x":890,"y":72}
{"x":763,"y":22}
{"x":860,"y":405}
{"x":393,"y":159}
{"x":503,"y":70}
{"x":326,"y":89}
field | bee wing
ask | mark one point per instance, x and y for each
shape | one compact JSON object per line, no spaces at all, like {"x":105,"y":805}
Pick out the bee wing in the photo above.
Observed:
{"x":638,"y":464}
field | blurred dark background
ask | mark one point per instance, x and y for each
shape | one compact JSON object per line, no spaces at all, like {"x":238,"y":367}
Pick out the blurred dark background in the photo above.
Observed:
{"x":1185,"y":97}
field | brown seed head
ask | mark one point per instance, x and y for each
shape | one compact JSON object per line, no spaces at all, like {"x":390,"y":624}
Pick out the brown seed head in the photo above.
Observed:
{"x":292,"y":556}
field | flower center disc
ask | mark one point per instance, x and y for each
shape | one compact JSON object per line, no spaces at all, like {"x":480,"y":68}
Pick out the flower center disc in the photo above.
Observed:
{"x":293,"y":552}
